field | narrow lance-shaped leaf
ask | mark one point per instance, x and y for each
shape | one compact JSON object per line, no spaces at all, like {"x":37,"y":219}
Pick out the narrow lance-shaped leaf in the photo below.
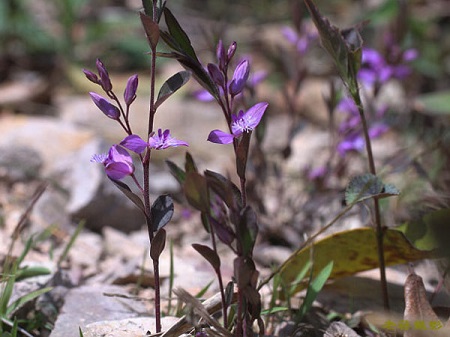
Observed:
{"x":148,"y":8}
{"x":196,"y":191}
{"x":179,"y":35}
{"x":129,"y":194}
{"x":190,"y":165}
{"x":242,"y":154}
{"x":314,"y":288}
{"x":158,"y":244}
{"x":209,"y":254}
{"x":161,"y":211}
{"x":198,"y":72}
{"x":346,"y":54}
{"x":177,"y":172}
{"x":151,"y":30}
{"x":171,"y":86}
{"x":225,"y":189}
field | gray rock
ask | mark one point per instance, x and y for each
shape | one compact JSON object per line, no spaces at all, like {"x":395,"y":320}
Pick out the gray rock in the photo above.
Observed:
{"x":88,"y":304}
{"x":19,"y":163}
{"x":93,"y":197}
{"x":136,"y":327}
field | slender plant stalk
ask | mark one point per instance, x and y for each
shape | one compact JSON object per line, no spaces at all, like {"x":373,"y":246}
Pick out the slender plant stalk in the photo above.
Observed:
{"x":146,"y":166}
{"x":378,"y":227}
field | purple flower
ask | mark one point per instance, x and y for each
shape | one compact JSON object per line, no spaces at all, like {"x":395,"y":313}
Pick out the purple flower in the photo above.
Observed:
{"x":242,"y":122}
{"x":240,"y":77}
{"x":129,"y":94}
{"x":158,"y":141}
{"x":107,"y":108}
{"x":104,"y":76}
{"x":302,"y":40}
{"x":118,"y":162}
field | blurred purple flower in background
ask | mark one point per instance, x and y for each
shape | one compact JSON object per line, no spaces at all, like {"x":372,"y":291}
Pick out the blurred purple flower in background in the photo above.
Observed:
{"x":118,"y":162}
{"x":375,"y":69}
{"x":242,"y":122}
{"x":158,"y":141}
{"x":301,"y":40}
{"x":350,"y":128}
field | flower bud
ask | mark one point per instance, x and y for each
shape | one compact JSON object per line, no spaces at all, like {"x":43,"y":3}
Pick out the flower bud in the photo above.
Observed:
{"x":221,"y":56}
{"x":91,"y":76}
{"x":231,"y":50}
{"x":130,"y":91}
{"x":216,"y":74}
{"x":104,"y":76}
{"x":107,"y":108}
{"x":240,"y":77}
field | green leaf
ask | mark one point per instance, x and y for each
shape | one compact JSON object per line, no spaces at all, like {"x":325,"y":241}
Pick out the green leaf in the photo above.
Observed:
{"x":196,"y":191}
{"x":171,"y":86}
{"x":314,"y":287}
{"x":273,"y":310}
{"x":80,"y":332}
{"x":368,"y":186}
{"x":437,"y":103}
{"x":429,"y":232}
{"x":161,"y":211}
{"x":27,"y":272}
{"x":177,"y":172}
{"x":247,"y":231}
{"x":129,"y":194}
{"x":344,"y":47}
{"x":353,"y":251}
{"x":189,"y":164}
{"x":148,"y":7}
{"x":26,"y":298}
{"x":179,"y":35}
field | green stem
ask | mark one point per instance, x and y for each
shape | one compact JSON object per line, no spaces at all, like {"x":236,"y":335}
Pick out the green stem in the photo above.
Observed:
{"x":378,"y":227}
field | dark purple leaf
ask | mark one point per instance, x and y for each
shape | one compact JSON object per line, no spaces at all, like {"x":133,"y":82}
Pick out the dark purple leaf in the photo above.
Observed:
{"x":158,"y":244}
{"x":209,"y":254}
{"x":225,"y":189}
{"x":151,"y":30}
{"x":247,"y":231}
{"x":242,"y":154}
{"x":222,"y":230}
{"x":161,"y":211}
{"x":129,"y":194}
{"x":171,"y":86}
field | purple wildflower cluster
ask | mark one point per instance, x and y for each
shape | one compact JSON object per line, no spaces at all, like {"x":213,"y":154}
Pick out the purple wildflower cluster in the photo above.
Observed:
{"x":118,"y":162}
{"x":375,"y":71}
{"x":229,"y":90}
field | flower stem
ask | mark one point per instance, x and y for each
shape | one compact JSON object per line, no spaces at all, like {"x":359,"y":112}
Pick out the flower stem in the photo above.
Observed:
{"x":378,"y":228}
